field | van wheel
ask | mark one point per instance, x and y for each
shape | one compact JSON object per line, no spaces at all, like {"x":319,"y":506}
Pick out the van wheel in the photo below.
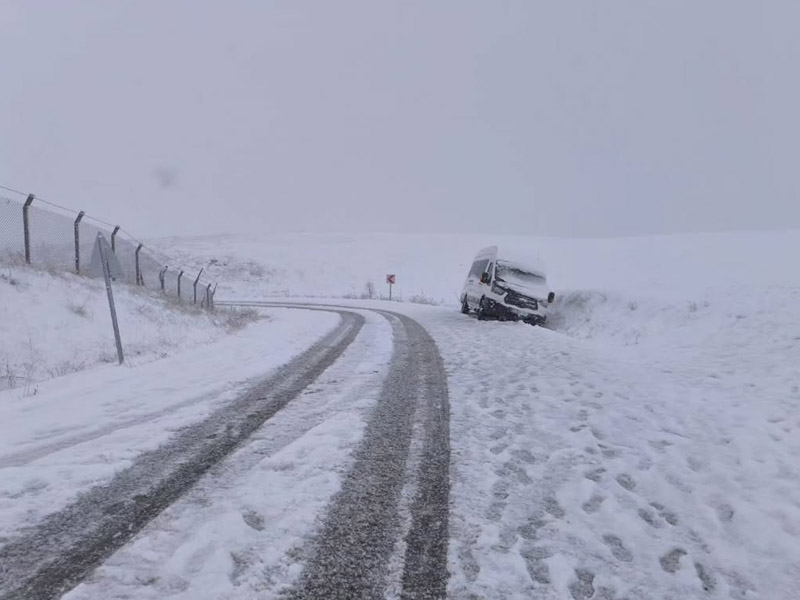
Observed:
{"x":465,"y":306}
{"x":481,"y":312}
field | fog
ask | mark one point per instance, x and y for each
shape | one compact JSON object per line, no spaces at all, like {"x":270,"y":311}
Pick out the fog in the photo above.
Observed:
{"x":551,"y":118}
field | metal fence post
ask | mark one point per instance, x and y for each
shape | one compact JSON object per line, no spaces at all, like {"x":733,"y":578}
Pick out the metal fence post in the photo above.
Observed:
{"x":208,"y":297}
{"x":196,"y":281}
{"x":111,"y":306}
{"x":78,"y":242}
{"x":26,"y":225}
{"x":162,"y":275}
{"x":179,"y":284}
{"x":114,"y":238}
{"x":214,"y":291}
{"x":139,"y":278}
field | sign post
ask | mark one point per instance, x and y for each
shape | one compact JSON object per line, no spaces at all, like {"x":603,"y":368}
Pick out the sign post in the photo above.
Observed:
{"x":390,"y":281}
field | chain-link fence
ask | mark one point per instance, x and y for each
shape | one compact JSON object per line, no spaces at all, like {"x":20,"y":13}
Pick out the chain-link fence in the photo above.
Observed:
{"x":56,"y":238}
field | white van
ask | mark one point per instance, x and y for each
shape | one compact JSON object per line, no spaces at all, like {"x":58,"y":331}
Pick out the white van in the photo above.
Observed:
{"x":506,"y":287}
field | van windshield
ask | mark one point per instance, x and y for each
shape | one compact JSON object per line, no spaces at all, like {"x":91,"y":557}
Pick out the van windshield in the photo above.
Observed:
{"x":517,"y":275}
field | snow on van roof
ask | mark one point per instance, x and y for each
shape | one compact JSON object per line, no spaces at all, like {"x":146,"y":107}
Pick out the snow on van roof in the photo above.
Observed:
{"x":520,"y":255}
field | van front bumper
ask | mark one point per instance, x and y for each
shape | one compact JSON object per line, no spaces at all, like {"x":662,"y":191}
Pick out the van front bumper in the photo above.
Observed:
{"x":512,"y":313}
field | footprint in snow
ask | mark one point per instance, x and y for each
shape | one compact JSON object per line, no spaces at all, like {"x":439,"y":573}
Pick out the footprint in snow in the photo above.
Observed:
{"x":611,"y":452}
{"x":241,"y":563}
{"x":253,"y":519}
{"x":469,"y":565}
{"x":705,"y":577}
{"x":524,"y":456}
{"x":498,"y":449}
{"x":552,"y":506}
{"x":617,"y":548}
{"x":724,"y":512}
{"x":498,"y":507}
{"x":649,"y":517}
{"x":592,"y":505}
{"x":495,"y":511}
{"x":595,"y":474}
{"x":671,"y":561}
{"x":695,"y":464}
{"x":582,"y":587}
{"x":660,"y":445}
{"x":626,"y":481}
{"x":530,"y":530}
{"x":534,"y":558}
{"x":498,"y":433}
{"x":678,"y":483}
{"x":666,"y":514}
{"x":519,"y":471}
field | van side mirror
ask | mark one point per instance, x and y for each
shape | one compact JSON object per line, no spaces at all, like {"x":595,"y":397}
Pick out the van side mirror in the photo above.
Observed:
{"x":485,"y":278}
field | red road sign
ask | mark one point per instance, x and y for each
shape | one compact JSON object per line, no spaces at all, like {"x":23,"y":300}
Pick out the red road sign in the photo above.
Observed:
{"x":390,"y":279}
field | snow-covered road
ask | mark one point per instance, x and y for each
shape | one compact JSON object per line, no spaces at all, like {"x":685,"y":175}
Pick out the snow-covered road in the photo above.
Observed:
{"x":391,"y":507}
{"x":566,"y":469}
{"x":81,"y":429}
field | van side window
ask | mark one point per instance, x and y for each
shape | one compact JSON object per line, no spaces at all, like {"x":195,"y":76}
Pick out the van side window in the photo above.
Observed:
{"x":478,"y":267}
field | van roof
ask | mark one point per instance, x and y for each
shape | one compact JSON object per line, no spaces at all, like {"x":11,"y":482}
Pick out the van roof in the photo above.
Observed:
{"x":522,"y":256}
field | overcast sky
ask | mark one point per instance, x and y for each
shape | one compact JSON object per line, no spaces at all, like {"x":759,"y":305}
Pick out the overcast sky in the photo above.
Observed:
{"x":556,"y":118}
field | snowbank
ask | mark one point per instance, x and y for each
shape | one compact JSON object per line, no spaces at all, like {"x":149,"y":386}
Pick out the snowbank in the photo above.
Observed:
{"x":55,"y":323}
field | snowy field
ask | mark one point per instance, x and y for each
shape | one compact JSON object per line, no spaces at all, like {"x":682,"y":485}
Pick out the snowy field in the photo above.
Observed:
{"x":645,"y":446}
{"x":683,"y":267}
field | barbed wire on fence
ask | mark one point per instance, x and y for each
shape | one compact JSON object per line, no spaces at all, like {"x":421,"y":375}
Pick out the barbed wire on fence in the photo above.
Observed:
{"x":59,"y":238}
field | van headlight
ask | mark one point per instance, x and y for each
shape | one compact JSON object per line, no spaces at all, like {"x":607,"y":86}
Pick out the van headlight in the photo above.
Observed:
{"x":498,"y":289}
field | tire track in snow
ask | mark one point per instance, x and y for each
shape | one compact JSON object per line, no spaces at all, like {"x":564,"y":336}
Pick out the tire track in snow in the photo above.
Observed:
{"x":47,"y":560}
{"x":363,"y":523}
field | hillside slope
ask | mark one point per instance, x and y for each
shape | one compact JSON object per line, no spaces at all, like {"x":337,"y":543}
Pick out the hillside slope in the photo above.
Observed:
{"x":55,"y":323}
